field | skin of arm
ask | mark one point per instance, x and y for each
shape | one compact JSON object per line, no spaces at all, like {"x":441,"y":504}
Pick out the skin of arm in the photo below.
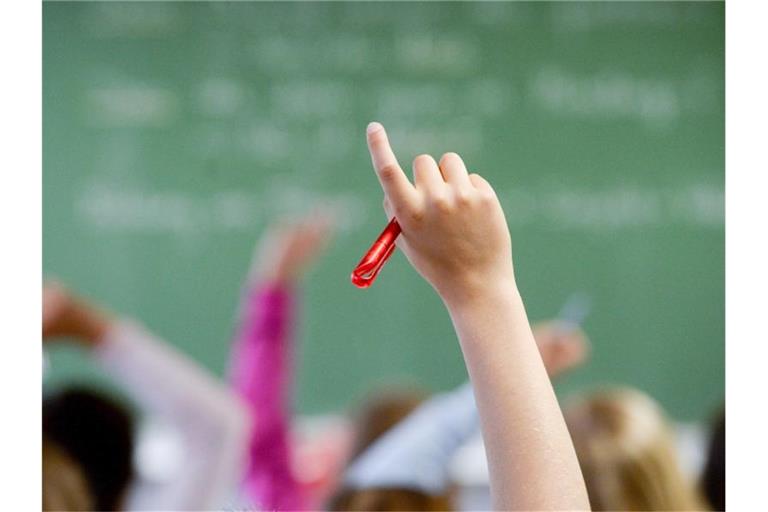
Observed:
{"x":455,"y":235}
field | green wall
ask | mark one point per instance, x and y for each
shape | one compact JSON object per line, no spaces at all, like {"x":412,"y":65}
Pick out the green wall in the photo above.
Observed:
{"x":173,"y":132}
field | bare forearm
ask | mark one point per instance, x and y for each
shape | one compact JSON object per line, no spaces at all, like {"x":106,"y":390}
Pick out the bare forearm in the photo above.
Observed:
{"x":531,"y":459}
{"x":455,"y":234}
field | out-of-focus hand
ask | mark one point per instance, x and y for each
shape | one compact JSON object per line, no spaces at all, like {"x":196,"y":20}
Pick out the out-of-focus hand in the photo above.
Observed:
{"x":562,"y":347}
{"x":453,"y":228}
{"x":288,"y":248}
{"x":68,"y":316}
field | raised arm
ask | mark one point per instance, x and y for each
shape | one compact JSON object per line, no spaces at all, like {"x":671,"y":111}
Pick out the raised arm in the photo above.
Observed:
{"x":261,"y":364}
{"x":213,"y":424}
{"x":455,"y":235}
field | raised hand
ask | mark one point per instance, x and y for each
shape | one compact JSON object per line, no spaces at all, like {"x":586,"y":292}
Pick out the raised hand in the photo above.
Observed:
{"x":289,"y":247}
{"x":68,"y":316}
{"x":453,"y":228}
{"x":454,"y":233}
{"x":561,"y":347}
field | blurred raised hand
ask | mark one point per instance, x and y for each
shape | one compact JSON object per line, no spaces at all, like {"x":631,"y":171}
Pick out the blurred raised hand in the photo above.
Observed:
{"x":67,"y":316}
{"x":290,"y":247}
{"x":562,"y":346}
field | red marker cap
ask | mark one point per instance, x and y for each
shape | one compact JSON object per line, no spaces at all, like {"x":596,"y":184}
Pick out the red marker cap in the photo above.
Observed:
{"x":370,"y":266}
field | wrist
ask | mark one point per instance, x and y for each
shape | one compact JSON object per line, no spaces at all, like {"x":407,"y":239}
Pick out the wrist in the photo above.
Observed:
{"x":272,"y":274}
{"x":479,"y":291}
{"x":258,"y":283}
{"x":497,"y":306}
{"x":92,"y":325}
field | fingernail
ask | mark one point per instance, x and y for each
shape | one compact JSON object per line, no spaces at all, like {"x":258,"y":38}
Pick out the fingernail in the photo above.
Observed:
{"x":373,"y":127}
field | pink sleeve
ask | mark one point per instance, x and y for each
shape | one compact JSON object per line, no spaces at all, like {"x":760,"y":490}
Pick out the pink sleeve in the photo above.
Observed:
{"x":261,"y":372}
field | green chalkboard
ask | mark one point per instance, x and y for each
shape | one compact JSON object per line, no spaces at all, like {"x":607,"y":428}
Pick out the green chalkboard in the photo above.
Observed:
{"x":174,"y":132}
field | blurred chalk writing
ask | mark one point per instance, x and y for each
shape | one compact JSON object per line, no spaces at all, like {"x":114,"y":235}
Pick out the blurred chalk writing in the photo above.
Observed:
{"x":174,"y":132}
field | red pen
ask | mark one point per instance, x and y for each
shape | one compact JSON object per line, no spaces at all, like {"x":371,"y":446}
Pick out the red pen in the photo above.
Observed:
{"x":366,"y":271}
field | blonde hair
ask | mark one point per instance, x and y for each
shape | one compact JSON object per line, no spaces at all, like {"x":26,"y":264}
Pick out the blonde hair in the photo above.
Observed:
{"x":627,"y":453}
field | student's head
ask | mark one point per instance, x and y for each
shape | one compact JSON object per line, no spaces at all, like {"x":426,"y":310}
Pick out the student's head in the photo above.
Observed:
{"x":96,"y":434}
{"x":627,"y":454}
{"x":381,"y":411}
{"x":64,"y":485}
{"x":389,"y":500}
{"x":713,"y":476}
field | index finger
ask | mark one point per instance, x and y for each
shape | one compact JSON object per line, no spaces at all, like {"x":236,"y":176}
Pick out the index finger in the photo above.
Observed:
{"x":392,"y":178}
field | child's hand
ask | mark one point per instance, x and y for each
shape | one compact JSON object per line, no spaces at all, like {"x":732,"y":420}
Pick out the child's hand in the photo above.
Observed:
{"x":453,"y":228}
{"x":455,"y":235}
{"x":289,"y":248}
{"x":561,"y":348}
{"x":65,"y":315}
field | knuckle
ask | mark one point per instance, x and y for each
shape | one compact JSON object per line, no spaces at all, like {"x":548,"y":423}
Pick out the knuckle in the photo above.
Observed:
{"x":388,"y":172}
{"x":477,"y":180}
{"x":464,"y":198}
{"x":487,"y":197}
{"x":377,"y":137}
{"x":414,"y":215}
{"x":441,"y":203}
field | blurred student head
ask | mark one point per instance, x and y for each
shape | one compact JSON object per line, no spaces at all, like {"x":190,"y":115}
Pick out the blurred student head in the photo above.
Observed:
{"x":64,"y":484}
{"x":389,"y":499}
{"x":713,"y":478}
{"x":381,"y":411}
{"x":627,"y":453}
{"x":96,"y":434}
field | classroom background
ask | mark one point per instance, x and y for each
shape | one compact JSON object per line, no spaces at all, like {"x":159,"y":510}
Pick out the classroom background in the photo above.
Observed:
{"x":173,"y":133}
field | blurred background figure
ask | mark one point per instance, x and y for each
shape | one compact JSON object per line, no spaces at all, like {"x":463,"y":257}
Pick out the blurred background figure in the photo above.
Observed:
{"x":408,"y":466}
{"x":411,"y":465}
{"x":381,"y":410}
{"x":627,"y":452}
{"x":562,"y":347}
{"x":97,"y":433}
{"x":390,"y":498}
{"x":262,"y":373}
{"x":89,"y":446}
{"x":64,"y":485}
{"x":261,"y":360}
{"x":712,"y":481}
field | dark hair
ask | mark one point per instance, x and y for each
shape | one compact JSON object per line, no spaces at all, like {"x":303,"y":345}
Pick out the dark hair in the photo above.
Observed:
{"x":390,"y":500}
{"x":713,"y":477}
{"x":97,"y":432}
{"x":382,"y":410}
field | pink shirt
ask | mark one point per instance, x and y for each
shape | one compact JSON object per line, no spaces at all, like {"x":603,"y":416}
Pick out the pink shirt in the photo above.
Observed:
{"x":261,"y":372}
